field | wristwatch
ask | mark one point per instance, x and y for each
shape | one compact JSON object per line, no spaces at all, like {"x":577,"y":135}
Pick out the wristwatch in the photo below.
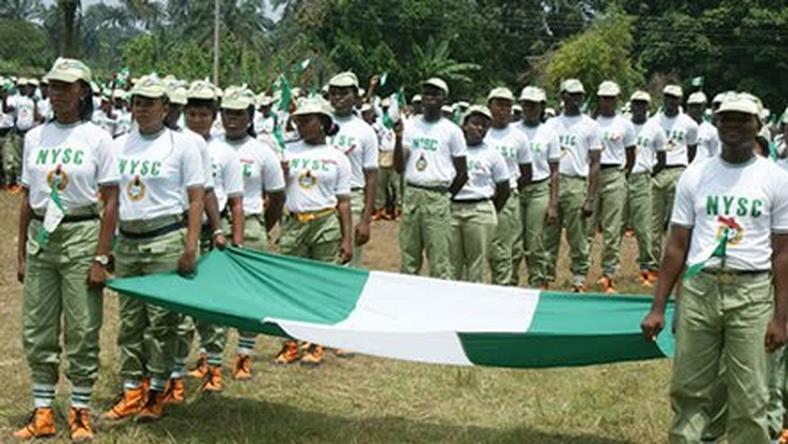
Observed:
{"x":101,"y":259}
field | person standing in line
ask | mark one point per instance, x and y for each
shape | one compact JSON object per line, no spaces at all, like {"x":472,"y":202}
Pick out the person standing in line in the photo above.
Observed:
{"x":617,"y":161}
{"x":581,"y":150}
{"x":681,"y":134}
{"x":539,"y":197}
{"x":318,"y":225}
{"x":506,"y":250}
{"x":729,"y":230}
{"x":156,"y":165}
{"x":708,"y":140}
{"x":24,"y":110}
{"x":63,"y":249}
{"x":649,"y":161}
{"x":358,"y":141}
{"x":477,"y":207}
{"x":430,"y":153}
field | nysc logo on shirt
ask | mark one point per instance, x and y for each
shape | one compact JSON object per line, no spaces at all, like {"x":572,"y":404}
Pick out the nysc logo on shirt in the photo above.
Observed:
{"x":536,"y":147}
{"x":475,"y":165}
{"x":425,"y":143}
{"x":567,"y":141}
{"x":135,"y":189}
{"x":344,"y":143}
{"x":310,"y":164}
{"x":140,"y":167}
{"x":57,"y":178}
{"x":729,"y":228}
{"x":674,"y":138}
{"x":508,"y":152}
{"x":725,"y":208}
{"x":306,"y":180}
{"x":62,"y":156}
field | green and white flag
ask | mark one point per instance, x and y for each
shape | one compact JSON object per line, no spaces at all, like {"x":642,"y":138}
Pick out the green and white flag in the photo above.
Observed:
{"x":392,"y":114}
{"x":404,"y":317}
{"x":697,"y":81}
{"x":54,"y":213}
{"x":718,"y":250}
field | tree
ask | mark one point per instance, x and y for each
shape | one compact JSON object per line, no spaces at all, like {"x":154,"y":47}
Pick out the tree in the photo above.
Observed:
{"x":21,"y":9}
{"x":602,"y":52}
{"x":24,"y":47}
{"x":69,"y":9}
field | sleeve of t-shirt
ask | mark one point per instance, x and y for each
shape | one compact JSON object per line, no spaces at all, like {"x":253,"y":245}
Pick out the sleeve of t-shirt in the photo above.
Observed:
{"x":500,"y":172}
{"x":273,"y":176}
{"x":108,"y":172}
{"x":684,"y":203}
{"x":232,"y":172}
{"x":370,"y":146}
{"x":780,"y":206}
{"x":457,"y":146}
{"x":692,"y":132}
{"x":629,"y":134}
{"x":342,"y":185}
{"x":524,"y":150}
{"x":26,"y":147}
{"x":553,"y":146}
{"x":594,"y":137}
{"x":192,"y":172}
{"x":659,"y":139}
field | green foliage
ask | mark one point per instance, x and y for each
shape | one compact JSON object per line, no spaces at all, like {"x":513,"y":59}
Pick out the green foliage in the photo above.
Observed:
{"x":602,"y":52}
{"x":23,"y":47}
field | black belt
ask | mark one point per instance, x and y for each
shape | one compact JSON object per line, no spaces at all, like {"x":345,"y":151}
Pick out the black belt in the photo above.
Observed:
{"x":471,"y":201}
{"x":719,"y":271}
{"x":607,"y":166}
{"x":70,"y":219}
{"x":429,"y":188}
{"x":153,"y":233}
{"x":357,"y":189}
{"x":4,"y":131}
{"x":534,"y":182}
{"x":672,"y":167}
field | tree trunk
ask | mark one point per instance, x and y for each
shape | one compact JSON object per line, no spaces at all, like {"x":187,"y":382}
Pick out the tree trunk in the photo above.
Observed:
{"x":70,"y":35}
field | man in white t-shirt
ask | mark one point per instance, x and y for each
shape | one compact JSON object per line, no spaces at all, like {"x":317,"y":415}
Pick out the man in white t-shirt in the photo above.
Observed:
{"x":358,"y":141}
{"x":649,"y":159}
{"x":430,"y":152}
{"x":618,"y":159}
{"x":708,"y":140}
{"x":22,"y":108}
{"x":581,"y":149}
{"x":681,"y":134}
{"x":729,"y":231}
{"x":6,"y":123}
{"x":264,"y":119}
{"x":506,"y":250}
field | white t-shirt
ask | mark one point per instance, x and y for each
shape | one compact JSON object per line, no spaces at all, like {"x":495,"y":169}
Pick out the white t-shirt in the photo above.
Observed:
{"x":124,"y":122}
{"x":545,"y":148}
{"x":617,"y":134}
{"x":316,"y":175}
{"x":708,"y":140}
{"x":432,"y":147}
{"x":486,"y":168}
{"x":104,"y":121}
{"x":260,"y":169}
{"x":386,"y":138}
{"x":205,"y":158}
{"x":751,"y":200}
{"x":45,"y":109}
{"x":264,"y":125}
{"x":227,"y":172}
{"x":783,"y":163}
{"x":650,"y":139}
{"x":358,"y":141}
{"x":577,"y":136}
{"x":24,"y":112}
{"x":513,"y":146}
{"x":680,"y":131}
{"x":154,"y":171}
{"x":84,"y":154}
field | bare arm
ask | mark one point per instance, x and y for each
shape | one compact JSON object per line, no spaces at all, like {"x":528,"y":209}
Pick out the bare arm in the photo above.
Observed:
{"x":188,"y":260}
{"x":400,"y":155}
{"x":775,"y":333}
{"x":526,"y":175}
{"x":555,"y":184}
{"x":692,"y":150}
{"x":461,"y":167}
{"x":343,"y":206}
{"x":370,"y":187}
{"x":630,"y":163}
{"x":595,"y":157}
{"x":211,"y":208}
{"x":273,"y":211}
{"x":25,"y":215}
{"x":237,"y":214}
{"x":670,"y":272}
{"x":502,"y":193}
{"x":662,"y":160}
{"x":97,"y":274}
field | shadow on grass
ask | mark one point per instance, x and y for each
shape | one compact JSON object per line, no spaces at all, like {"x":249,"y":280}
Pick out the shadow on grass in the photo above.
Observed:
{"x":238,"y":420}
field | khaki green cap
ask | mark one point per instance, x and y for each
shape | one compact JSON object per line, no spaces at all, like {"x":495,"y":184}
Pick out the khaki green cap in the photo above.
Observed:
{"x":314,"y":105}
{"x":236,"y":98}
{"x":477,"y":109}
{"x":69,"y":71}
{"x":201,"y":89}
{"x":149,"y":86}
{"x":533,"y":94}
{"x":640,"y":95}
{"x":572,"y":86}
{"x":503,"y":93}
{"x":344,"y":80}
{"x":673,"y":90}
{"x":177,"y":95}
{"x":437,"y":83}
{"x":608,"y":88}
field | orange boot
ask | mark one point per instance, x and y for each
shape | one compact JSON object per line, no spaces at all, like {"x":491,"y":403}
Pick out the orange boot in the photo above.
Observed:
{"x":288,"y":354}
{"x":606,"y":284}
{"x":645,"y":279}
{"x":128,"y":404}
{"x":79,"y":426}
{"x":213,"y":380}
{"x":242,"y":367}
{"x":313,"y":355}
{"x":153,"y":408}
{"x":40,"y":424}
{"x":175,"y":393}
{"x":201,"y":369}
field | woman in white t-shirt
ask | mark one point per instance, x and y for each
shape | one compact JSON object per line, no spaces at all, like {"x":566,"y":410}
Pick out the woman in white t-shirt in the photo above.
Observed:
{"x":317,"y":188}
{"x":475,"y":208}
{"x":63,"y":248}
{"x":263,"y":191}
{"x":156,"y":165}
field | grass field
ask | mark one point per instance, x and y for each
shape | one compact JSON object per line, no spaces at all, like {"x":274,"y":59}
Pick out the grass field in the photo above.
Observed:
{"x":364,"y":400}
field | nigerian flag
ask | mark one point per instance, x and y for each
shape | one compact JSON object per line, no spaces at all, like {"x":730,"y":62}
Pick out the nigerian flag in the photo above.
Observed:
{"x":404,"y":317}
